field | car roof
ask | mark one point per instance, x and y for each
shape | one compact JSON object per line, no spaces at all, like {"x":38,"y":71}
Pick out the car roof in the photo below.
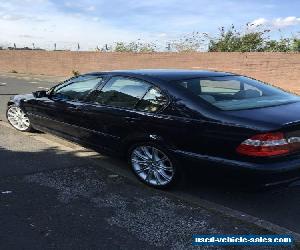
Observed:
{"x":167,"y":74}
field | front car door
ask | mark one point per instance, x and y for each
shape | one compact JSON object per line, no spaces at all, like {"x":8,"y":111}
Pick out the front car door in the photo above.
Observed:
{"x":61,"y":110}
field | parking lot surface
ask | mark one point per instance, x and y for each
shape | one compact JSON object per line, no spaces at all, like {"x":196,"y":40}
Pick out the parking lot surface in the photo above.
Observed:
{"x":57,"y":194}
{"x":52,"y":197}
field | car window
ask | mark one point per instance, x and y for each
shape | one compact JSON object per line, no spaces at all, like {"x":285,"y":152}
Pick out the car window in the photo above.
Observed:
{"x":121,"y":92}
{"x":226,"y":87}
{"x":76,"y":88}
{"x":251,"y":87}
{"x":236,"y":92}
{"x":153,"y":101}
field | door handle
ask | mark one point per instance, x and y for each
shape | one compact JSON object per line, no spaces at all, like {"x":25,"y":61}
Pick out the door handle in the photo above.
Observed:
{"x":74,"y":108}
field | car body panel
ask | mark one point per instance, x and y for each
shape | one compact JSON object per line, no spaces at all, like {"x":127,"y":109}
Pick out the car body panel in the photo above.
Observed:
{"x":192,"y":130}
{"x":276,"y":116}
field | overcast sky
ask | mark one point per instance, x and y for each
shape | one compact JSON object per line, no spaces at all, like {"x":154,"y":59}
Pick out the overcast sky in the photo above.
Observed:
{"x":96,"y":22}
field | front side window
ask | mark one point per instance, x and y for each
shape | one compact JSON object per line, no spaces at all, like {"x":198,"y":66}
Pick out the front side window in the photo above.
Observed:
{"x":236,"y":92}
{"x":76,"y":89}
{"x":122,"y":92}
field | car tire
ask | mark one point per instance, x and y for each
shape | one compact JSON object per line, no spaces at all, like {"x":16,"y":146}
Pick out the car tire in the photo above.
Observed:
{"x":154,"y":165}
{"x":18,"y":119}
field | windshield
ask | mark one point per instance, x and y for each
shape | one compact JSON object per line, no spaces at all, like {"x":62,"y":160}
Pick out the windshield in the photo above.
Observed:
{"x":236,"y":92}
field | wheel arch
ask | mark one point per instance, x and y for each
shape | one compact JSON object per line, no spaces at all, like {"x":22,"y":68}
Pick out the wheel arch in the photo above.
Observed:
{"x":130,"y":141}
{"x":10,"y":102}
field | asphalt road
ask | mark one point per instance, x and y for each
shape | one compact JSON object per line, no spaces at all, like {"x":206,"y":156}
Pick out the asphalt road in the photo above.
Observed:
{"x":280,"y":206}
{"x":54,"y":197}
{"x":12,"y":84}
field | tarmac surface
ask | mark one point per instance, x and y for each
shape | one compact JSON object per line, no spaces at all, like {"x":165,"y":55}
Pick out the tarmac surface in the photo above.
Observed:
{"x":57,"y":194}
{"x":56,"y":198}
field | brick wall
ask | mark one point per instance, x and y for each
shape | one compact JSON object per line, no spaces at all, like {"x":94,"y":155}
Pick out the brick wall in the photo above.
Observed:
{"x":282,"y":69}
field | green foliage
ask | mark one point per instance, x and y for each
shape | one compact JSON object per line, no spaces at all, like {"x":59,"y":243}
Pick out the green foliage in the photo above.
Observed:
{"x":226,"y":42}
{"x":122,"y":47}
{"x":189,"y":43}
{"x":232,"y":40}
{"x":251,"y":40}
{"x":134,"y":47}
{"x":282,"y":45}
{"x":296,"y":45}
{"x":75,"y":73}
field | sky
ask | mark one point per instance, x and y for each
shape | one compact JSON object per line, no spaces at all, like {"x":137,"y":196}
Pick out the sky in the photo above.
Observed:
{"x":93,"y":23}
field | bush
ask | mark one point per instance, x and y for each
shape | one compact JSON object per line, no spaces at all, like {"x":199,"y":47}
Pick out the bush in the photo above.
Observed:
{"x":134,"y":47}
{"x":75,"y":73}
{"x":232,"y":40}
{"x":296,"y":45}
{"x":188,"y":43}
{"x":251,"y":40}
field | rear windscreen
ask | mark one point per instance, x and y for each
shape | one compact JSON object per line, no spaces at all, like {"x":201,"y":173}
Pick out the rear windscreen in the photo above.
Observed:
{"x":236,"y":92}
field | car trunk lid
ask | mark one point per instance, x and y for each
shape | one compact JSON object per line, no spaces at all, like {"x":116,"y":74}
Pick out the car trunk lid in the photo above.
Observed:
{"x":274,"y":117}
{"x":281,"y":118}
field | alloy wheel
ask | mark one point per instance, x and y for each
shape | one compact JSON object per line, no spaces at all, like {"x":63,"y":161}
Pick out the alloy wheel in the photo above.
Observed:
{"x":152,"y":165}
{"x":17,"y":118}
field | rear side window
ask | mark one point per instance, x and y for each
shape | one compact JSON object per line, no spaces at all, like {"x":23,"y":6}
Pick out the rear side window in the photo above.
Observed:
{"x":153,"y":101}
{"x":122,"y":92}
{"x":236,"y":92}
{"x":226,"y":87}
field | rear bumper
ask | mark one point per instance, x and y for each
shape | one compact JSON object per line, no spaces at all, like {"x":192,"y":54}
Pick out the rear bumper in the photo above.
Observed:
{"x":255,"y":173}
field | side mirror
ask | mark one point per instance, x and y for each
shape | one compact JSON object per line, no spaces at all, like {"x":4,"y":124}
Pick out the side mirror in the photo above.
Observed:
{"x":40,"y":94}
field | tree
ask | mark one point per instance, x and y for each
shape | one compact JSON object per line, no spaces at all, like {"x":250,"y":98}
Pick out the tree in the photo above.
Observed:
{"x":188,"y":43}
{"x":251,"y":40}
{"x":282,"y":45}
{"x":232,"y":40}
{"x":134,"y":47}
{"x":227,"y":41}
{"x":296,"y":45}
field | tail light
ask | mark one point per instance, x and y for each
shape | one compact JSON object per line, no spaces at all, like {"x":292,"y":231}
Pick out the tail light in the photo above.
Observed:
{"x":269,"y":144}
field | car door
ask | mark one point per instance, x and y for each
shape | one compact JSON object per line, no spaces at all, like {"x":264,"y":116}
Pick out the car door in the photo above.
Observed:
{"x":62,"y":110}
{"x":118,"y":108}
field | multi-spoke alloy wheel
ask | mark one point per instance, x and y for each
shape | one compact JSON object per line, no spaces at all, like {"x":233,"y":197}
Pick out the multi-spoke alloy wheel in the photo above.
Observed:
{"x":18,"y":119}
{"x":152,"y":166}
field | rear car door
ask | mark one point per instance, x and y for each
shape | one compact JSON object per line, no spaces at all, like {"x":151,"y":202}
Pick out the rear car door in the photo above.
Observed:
{"x":62,"y":110}
{"x":119,"y":109}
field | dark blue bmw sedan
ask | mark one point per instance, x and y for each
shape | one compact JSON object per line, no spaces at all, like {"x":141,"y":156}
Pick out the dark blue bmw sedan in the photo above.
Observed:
{"x":164,"y":121}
